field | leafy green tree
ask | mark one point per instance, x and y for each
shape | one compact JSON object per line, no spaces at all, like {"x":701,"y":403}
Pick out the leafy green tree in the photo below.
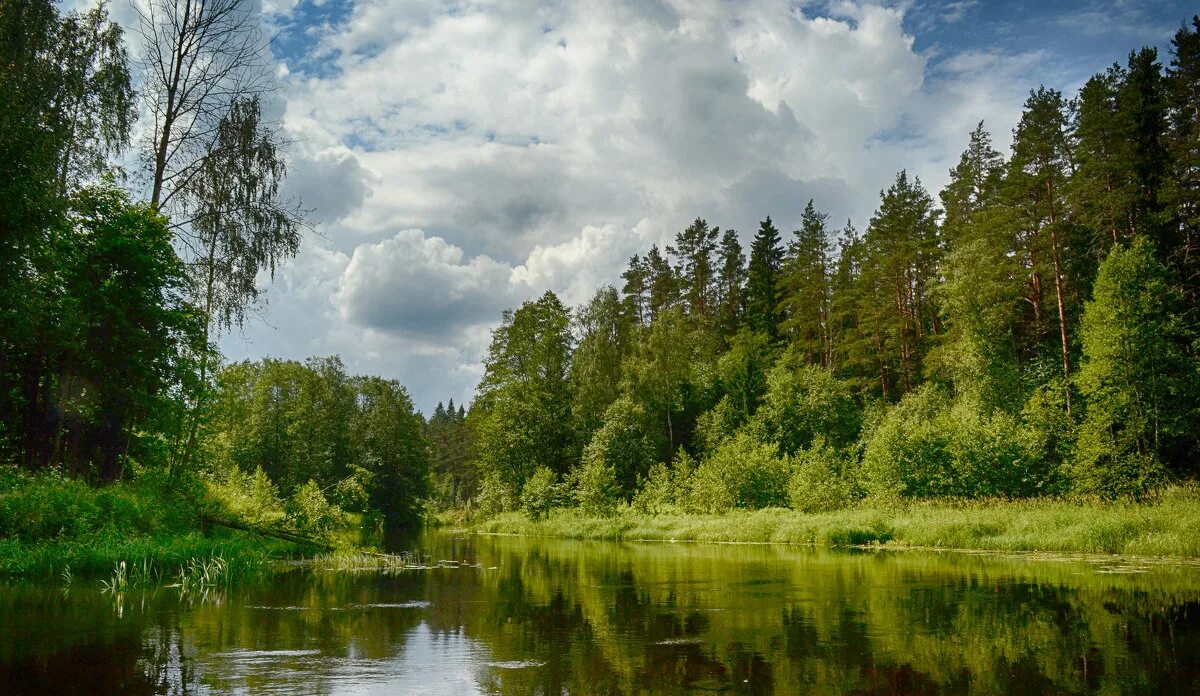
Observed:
{"x":595,"y":375}
{"x":122,"y":325}
{"x":619,"y":448}
{"x":671,"y":374}
{"x":762,"y":280}
{"x":387,"y":434}
{"x":1136,"y":376}
{"x":524,"y":399}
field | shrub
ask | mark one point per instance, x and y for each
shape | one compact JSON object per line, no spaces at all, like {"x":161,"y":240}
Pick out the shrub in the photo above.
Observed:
{"x":928,"y":446}
{"x":908,"y":453}
{"x":252,"y":498}
{"x":743,"y":473}
{"x":620,"y":445}
{"x":595,"y":484}
{"x":310,"y":511}
{"x":804,"y":403}
{"x":822,"y":480}
{"x":541,"y":493}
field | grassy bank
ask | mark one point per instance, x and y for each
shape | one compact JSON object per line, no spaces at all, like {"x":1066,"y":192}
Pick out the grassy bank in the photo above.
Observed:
{"x":1168,"y":525}
{"x":49,"y":523}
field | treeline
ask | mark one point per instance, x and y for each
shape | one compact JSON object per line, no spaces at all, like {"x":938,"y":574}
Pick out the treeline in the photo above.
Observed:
{"x":1034,"y":334}
{"x":115,"y":284}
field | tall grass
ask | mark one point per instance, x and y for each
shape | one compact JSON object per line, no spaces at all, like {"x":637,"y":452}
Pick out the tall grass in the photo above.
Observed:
{"x":1166,"y":525}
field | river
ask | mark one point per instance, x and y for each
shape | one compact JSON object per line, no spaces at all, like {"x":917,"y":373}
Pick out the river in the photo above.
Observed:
{"x":535,"y":616}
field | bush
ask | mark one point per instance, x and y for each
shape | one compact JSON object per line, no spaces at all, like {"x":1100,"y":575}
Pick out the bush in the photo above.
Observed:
{"x":252,"y":498}
{"x":929,"y":446}
{"x":310,"y":511}
{"x":597,"y":491}
{"x":908,"y":453}
{"x":541,"y":493}
{"x":993,"y":455}
{"x":49,"y":505}
{"x":620,"y":445}
{"x":742,"y":473}
{"x":802,"y":404}
{"x":822,"y":480}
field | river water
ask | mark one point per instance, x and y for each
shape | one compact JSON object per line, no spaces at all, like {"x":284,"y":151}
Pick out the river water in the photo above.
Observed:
{"x":529,"y":616}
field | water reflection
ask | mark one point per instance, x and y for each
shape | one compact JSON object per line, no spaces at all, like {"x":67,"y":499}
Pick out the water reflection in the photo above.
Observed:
{"x":551,"y":617}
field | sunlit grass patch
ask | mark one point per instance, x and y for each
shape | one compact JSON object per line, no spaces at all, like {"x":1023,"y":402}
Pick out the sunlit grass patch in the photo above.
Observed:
{"x":1165,"y":525}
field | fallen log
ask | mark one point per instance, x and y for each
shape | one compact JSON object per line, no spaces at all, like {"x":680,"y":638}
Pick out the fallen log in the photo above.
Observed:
{"x":267,"y":532}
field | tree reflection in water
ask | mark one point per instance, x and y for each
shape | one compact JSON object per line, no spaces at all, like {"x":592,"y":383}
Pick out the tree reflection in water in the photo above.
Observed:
{"x":550,"y":617}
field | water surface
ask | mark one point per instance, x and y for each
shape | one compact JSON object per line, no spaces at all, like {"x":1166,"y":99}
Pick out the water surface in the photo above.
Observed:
{"x":524,"y":616}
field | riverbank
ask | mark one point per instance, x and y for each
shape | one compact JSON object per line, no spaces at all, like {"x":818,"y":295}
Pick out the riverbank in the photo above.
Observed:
{"x":50,"y":524}
{"x":1168,"y":525}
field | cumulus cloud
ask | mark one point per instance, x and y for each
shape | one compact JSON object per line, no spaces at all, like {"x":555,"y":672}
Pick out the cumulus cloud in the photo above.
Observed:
{"x":421,"y":286}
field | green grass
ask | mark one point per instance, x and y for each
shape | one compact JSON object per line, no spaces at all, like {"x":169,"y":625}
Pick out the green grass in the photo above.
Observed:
{"x":1168,"y":525}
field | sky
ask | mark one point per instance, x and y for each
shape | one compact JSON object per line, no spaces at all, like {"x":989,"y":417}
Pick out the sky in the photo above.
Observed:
{"x":460,"y":157}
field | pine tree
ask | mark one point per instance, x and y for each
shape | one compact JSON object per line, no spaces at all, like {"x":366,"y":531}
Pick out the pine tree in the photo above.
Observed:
{"x":1036,"y":183}
{"x":973,"y":184}
{"x":694,"y":248}
{"x":1183,"y":140}
{"x":636,"y":290}
{"x":804,"y":289}
{"x":664,"y":285}
{"x":731,"y":283}
{"x":766,"y":261}
{"x":1142,"y":101}
{"x":900,"y":266}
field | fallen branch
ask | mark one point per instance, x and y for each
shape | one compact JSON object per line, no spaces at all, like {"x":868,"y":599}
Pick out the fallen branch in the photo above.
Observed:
{"x":273,"y":533}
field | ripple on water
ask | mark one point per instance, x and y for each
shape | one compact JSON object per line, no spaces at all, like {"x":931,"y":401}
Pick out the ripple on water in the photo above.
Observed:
{"x":515,"y":664}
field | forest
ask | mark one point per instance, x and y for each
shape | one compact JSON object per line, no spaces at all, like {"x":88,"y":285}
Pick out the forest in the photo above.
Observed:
{"x":1032,"y":332}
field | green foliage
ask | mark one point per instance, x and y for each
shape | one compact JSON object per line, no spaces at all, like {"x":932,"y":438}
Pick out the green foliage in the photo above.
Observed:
{"x":717,"y":424}
{"x":823,"y":479}
{"x":742,"y":473}
{"x":595,"y":484}
{"x":249,"y":497}
{"x":742,"y":371}
{"x":310,"y":511}
{"x":1137,"y":378}
{"x":357,"y":437}
{"x":524,"y":402}
{"x":804,"y":404}
{"x":620,"y":446}
{"x":908,"y":452}
{"x":541,"y":493}
{"x":663,"y":488}
{"x":929,"y":446}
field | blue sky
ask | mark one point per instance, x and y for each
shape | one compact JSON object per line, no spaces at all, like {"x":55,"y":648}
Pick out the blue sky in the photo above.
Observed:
{"x":463,"y":156}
